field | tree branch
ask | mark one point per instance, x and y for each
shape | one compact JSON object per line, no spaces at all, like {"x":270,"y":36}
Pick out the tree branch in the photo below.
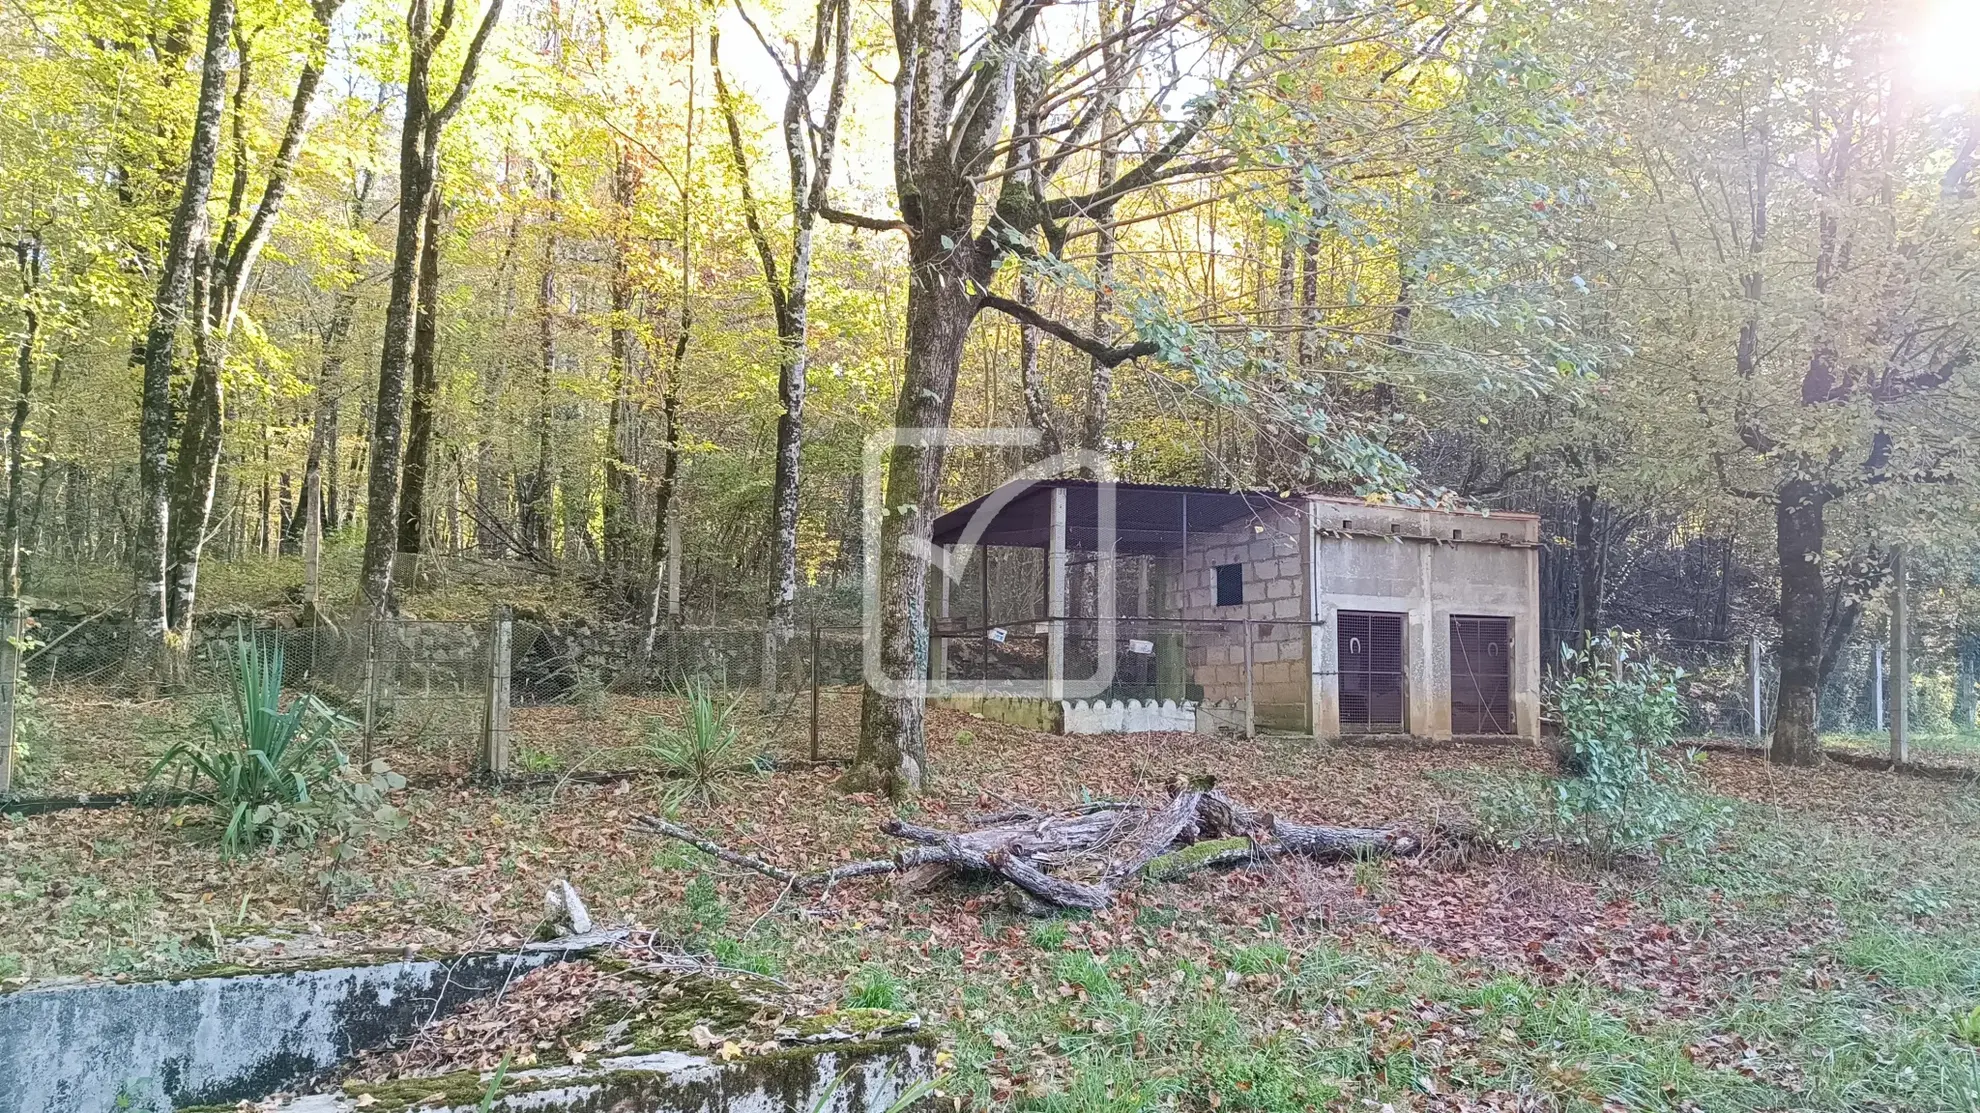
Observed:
{"x":1100,"y":351}
{"x":468,"y":65}
{"x":861,"y":220}
{"x":739,"y":160}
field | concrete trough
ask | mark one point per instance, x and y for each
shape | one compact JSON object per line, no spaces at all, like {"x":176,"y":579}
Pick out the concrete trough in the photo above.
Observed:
{"x":224,"y":1038}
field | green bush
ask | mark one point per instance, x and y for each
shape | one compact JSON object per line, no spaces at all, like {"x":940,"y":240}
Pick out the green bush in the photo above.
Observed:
{"x":1931,"y":709}
{"x":1620,"y":795}
{"x":274,"y":775}
{"x":705,"y":752}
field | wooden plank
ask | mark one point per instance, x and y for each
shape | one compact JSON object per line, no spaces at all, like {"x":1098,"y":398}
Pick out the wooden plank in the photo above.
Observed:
{"x":495,"y":724}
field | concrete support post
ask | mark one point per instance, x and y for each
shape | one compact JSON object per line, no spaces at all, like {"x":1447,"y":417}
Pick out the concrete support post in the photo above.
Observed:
{"x":1753,"y":683}
{"x":495,"y":723}
{"x":938,"y":641}
{"x":1171,"y":640}
{"x":10,"y":675}
{"x":1055,"y":601}
{"x":1900,"y":662}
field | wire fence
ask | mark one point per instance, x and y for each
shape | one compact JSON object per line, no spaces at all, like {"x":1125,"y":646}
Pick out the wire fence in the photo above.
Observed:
{"x":1727,"y":687}
{"x":418,"y":693}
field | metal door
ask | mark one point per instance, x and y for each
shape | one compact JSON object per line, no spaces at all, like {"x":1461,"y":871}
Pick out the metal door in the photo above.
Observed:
{"x":1369,"y":647}
{"x":1481,"y":676}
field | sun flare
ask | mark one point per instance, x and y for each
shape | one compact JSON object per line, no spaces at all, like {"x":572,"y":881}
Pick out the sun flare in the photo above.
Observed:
{"x":1945,"y":47}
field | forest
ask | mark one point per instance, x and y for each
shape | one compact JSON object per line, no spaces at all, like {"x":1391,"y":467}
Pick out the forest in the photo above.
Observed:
{"x":346,"y":319}
{"x":1696,"y":281}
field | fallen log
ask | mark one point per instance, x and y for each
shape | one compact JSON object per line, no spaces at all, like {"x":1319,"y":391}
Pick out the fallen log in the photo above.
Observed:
{"x":1079,"y":857}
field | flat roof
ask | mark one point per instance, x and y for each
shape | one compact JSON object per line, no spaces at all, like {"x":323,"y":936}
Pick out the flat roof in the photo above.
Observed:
{"x":1149,"y":518}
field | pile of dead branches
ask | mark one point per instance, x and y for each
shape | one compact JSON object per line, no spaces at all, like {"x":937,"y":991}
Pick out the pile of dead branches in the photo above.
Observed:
{"x":1079,"y":857}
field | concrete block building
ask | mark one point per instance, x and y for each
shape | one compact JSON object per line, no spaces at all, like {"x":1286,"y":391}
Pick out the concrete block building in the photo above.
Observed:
{"x":1306,"y":613}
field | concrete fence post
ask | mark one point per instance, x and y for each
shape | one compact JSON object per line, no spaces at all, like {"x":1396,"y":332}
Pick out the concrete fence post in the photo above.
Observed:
{"x":1900,"y":663}
{"x":10,"y":672}
{"x":1753,"y":681}
{"x":495,"y":722}
{"x":1877,"y":685}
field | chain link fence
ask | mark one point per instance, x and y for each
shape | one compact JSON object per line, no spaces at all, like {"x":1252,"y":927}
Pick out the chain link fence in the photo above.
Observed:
{"x":417,"y":693}
{"x":1718,"y":688}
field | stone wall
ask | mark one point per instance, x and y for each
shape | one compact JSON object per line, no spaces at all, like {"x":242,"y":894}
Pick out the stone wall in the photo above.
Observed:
{"x":1273,"y":552}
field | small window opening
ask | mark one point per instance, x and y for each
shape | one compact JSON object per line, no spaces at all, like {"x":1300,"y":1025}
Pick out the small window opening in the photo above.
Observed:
{"x":1347,"y":524}
{"x":1457,"y":535}
{"x":1230,"y":585}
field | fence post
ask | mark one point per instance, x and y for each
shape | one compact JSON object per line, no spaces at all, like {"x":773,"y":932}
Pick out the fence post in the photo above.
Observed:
{"x":312,"y":540}
{"x":1900,"y":663}
{"x":1877,"y":684}
{"x":1250,"y":702}
{"x":814,"y":689}
{"x":1753,"y":680}
{"x":10,"y":671}
{"x":369,"y":695}
{"x":495,"y":723}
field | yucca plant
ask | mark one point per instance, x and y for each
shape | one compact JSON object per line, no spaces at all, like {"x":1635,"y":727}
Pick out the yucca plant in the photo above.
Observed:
{"x":703,"y":752}
{"x":262,"y":765}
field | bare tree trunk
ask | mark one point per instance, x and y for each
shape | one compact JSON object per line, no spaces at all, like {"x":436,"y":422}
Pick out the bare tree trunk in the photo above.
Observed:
{"x":893,"y":748}
{"x":620,"y":489}
{"x":175,"y":282}
{"x":664,"y":584}
{"x":27,"y":256}
{"x":537,"y":501}
{"x":418,"y":165}
{"x":426,"y":384}
{"x":809,"y":151}
{"x":1799,"y":534}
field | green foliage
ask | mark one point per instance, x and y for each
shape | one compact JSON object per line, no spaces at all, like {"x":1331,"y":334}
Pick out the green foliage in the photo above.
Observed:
{"x":738,"y":955}
{"x":1966,"y":1026}
{"x":703,"y":754}
{"x":274,"y":774}
{"x":495,"y":1084}
{"x":1620,"y":795}
{"x":1925,"y":901}
{"x":531,"y":759}
{"x":1931,"y":707}
{"x":1048,"y":935}
{"x":34,"y":736}
{"x":876,"y":987}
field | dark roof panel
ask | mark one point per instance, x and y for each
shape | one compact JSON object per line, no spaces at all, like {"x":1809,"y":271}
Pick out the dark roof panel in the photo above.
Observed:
{"x":1148,"y":517}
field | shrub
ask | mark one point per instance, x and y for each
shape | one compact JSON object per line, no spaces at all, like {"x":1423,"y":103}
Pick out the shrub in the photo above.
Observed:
{"x":1621,"y":795}
{"x":1931,"y":709}
{"x":274,"y":774}
{"x":706,"y":751}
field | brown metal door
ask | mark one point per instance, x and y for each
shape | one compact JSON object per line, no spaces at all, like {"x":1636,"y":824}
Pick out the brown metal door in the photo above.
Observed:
{"x":1481,"y":676}
{"x":1369,"y":647}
